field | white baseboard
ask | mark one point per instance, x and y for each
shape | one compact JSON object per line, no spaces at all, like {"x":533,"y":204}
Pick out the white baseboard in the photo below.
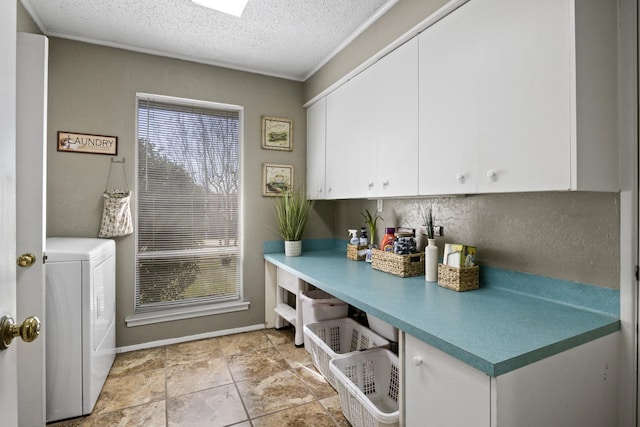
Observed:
{"x":179,"y":340}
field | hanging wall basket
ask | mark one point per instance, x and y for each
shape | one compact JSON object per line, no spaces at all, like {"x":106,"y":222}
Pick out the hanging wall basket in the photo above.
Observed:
{"x":116,"y":214}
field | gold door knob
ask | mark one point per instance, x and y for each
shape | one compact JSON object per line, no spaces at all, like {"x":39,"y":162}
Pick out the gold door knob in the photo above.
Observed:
{"x":28,"y":331}
{"x":25,"y":260}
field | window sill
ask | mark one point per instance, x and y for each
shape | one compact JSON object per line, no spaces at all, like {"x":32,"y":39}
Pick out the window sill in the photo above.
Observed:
{"x":140,"y":319}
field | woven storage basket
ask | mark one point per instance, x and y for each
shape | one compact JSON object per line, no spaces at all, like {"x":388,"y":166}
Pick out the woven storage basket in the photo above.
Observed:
{"x":399,"y":265}
{"x":352,"y":252}
{"x":368,"y":385}
{"x":329,"y":338}
{"x":458,"y":279}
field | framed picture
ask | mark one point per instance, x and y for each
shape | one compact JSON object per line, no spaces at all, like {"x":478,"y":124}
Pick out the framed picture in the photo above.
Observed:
{"x":277,"y":133}
{"x":276,"y":179}
{"x":86,"y":143}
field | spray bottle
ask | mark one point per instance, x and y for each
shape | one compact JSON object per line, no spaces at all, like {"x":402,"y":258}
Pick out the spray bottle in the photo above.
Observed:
{"x":354,"y":237}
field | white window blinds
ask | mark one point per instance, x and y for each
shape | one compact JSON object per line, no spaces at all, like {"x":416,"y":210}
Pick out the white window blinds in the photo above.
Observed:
{"x":188,"y":200}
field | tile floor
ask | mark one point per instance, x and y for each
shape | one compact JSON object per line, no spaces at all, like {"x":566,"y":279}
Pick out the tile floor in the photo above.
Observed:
{"x":255,"y":379}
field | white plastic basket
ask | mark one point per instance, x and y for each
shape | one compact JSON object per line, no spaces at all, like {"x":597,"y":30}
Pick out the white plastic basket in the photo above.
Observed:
{"x":318,"y":305}
{"x":368,"y":384}
{"x":329,"y":338}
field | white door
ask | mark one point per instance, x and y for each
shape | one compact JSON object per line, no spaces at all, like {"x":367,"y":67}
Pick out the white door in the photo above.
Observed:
{"x":8,"y":364}
{"x":31,"y":129}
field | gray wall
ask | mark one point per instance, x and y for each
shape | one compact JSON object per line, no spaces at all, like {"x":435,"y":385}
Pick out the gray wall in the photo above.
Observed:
{"x":25,"y":23}
{"x":397,"y":21}
{"x":566,"y":235}
{"x":92,"y":90}
{"x":571,"y":236}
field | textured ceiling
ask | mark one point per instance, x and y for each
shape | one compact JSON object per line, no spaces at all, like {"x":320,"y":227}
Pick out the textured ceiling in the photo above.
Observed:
{"x":285,"y":38}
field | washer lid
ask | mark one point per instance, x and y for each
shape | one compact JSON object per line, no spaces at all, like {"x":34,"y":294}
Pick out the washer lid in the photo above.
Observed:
{"x":78,"y":248}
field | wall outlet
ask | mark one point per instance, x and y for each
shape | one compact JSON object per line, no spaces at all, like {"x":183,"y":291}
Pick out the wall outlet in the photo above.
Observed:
{"x":438,"y":231}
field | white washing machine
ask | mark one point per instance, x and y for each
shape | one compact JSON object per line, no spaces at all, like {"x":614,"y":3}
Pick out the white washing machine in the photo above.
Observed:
{"x":80,"y":323}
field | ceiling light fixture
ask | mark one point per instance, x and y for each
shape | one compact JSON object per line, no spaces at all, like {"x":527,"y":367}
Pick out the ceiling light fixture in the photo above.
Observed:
{"x":230,"y":7}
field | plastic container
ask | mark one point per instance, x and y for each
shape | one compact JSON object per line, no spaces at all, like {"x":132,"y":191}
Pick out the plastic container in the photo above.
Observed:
{"x":329,"y":338}
{"x":382,"y":328}
{"x":368,"y":384}
{"x":319,"y":305}
{"x":387,"y":240}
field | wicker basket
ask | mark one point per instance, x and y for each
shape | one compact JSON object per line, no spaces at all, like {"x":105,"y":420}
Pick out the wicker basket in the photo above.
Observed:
{"x":458,"y":279}
{"x":399,"y":265}
{"x":352,"y":252}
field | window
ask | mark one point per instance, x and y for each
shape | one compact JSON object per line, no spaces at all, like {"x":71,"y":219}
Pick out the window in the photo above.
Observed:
{"x":188,"y":203}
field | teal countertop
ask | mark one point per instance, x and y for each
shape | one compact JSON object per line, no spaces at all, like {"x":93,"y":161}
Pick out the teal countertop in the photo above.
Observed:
{"x":513,"y":320}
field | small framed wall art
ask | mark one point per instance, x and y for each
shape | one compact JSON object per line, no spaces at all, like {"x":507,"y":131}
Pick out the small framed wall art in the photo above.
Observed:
{"x":277,"y":133}
{"x":276,"y":179}
{"x":86,"y":143}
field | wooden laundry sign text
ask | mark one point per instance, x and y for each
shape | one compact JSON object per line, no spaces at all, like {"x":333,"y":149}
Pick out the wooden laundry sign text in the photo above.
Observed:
{"x":86,"y":143}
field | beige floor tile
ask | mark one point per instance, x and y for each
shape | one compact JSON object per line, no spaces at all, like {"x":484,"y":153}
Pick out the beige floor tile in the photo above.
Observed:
{"x":193,"y":351}
{"x":315,"y":381}
{"x":124,"y":391}
{"x":281,"y":336}
{"x":332,"y":404}
{"x":138,"y":361}
{"x":149,"y":415}
{"x":219,"y":406}
{"x":309,"y":415}
{"x":258,"y":363}
{"x":280,"y":391}
{"x":241,"y":343}
{"x":196,"y":376}
{"x":74,"y":422}
{"x":295,"y":356}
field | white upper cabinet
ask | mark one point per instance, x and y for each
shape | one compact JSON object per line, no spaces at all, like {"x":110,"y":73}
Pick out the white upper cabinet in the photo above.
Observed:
{"x":372,"y":132}
{"x":316,"y":133}
{"x":519,"y":95}
{"x":394,"y":124}
{"x":448,"y":116}
{"x":349,"y":157}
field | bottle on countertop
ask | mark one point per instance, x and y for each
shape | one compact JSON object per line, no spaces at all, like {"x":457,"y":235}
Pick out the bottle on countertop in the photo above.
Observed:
{"x":354,"y":237}
{"x":364,"y":240}
{"x":387,"y":240}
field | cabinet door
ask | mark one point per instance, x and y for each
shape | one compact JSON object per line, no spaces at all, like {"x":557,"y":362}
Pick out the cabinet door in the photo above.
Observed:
{"x":524,"y":94}
{"x":316,"y":132}
{"x":348,"y":157}
{"x":448,"y":120}
{"x":394,"y":121}
{"x":441,"y":391}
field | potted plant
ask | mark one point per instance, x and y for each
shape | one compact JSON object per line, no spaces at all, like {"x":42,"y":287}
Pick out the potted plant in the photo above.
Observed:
{"x":371,"y":221}
{"x":292,"y":212}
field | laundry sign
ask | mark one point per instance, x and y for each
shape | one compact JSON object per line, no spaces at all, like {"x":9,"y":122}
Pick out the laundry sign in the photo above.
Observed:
{"x":87,"y":143}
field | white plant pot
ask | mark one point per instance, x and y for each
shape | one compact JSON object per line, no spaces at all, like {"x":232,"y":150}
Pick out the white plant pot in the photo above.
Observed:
{"x":293,"y":248}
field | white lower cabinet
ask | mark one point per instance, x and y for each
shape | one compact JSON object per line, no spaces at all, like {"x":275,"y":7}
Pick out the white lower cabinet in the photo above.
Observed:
{"x":575,"y":388}
{"x":440,"y":390}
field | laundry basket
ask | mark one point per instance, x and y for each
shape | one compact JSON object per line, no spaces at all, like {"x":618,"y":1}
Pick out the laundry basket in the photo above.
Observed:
{"x":329,"y":338}
{"x":368,"y":384}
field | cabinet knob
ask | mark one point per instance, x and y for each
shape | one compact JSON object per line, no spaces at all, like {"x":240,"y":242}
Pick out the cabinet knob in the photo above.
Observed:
{"x":385,"y":184}
{"x":491,"y":173}
{"x":329,"y":190}
{"x":460,"y":177}
{"x":417,"y":360}
{"x":319,"y":190}
{"x":370,"y":185}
